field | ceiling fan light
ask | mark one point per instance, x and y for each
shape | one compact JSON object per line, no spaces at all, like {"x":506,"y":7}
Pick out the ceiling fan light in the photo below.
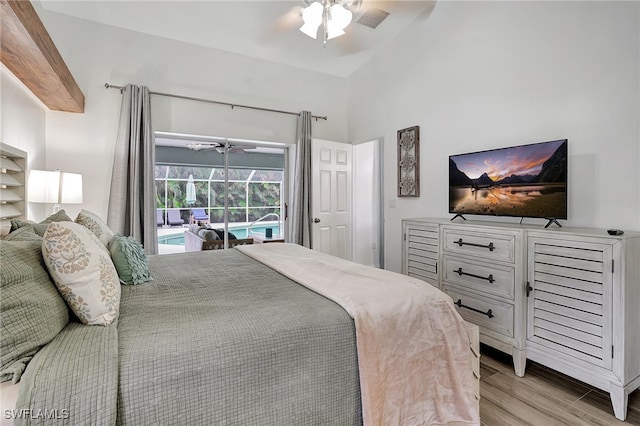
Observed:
{"x":340,"y":17}
{"x":310,"y":30}
{"x":195,"y":146}
{"x":333,"y":32}
{"x":312,"y":17}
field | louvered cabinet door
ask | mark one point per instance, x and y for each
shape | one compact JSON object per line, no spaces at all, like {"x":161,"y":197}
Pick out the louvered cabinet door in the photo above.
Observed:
{"x":420,"y":251}
{"x":570,"y":298}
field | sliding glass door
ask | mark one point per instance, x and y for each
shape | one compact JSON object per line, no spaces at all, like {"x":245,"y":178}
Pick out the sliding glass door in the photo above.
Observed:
{"x":193,"y":186}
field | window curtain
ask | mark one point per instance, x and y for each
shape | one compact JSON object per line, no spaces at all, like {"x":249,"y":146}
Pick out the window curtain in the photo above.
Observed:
{"x":300,"y":223}
{"x":132,"y":197}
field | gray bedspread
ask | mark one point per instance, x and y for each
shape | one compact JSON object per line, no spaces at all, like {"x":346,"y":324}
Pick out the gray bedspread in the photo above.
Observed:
{"x":217,"y":338}
{"x":73,"y":380}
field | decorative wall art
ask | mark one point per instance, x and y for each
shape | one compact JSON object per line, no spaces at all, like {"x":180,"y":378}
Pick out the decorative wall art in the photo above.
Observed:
{"x":409,"y":162}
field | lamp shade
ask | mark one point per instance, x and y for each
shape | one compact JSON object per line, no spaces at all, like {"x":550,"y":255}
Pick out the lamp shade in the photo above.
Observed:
{"x":55,"y":187}
{"x":71,"y":188}
{"x":43,"y":186}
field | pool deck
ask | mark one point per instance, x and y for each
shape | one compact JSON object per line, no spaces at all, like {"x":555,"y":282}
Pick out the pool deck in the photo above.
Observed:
{"x":169,"y":248}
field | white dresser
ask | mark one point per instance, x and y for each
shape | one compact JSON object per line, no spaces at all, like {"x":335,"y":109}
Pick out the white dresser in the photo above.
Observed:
{"x":421,"y":250}
{"x":567,"y":298}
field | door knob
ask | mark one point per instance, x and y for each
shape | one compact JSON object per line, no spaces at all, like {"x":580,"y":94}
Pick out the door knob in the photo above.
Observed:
{"x":316,"y":220}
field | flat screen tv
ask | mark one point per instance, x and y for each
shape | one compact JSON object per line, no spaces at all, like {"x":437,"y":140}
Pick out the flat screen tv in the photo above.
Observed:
{"x":523,"y":181}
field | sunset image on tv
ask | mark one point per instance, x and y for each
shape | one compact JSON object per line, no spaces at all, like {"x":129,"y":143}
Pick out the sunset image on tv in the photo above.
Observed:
{"x":526,"y":181}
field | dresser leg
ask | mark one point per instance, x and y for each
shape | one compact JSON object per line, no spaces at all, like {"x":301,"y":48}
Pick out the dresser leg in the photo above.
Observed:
{"x":519,"y":361}
{"x":619,"y":399}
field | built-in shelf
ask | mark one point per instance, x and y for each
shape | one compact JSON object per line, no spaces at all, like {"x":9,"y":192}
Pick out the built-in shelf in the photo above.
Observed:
{"x":13,"y":165}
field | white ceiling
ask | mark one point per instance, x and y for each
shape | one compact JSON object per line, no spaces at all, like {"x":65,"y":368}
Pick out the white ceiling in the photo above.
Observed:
{"x":265,"y":29}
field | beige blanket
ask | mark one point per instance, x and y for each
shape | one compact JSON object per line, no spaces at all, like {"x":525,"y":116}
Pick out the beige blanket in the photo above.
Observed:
{"x":413,"y":347}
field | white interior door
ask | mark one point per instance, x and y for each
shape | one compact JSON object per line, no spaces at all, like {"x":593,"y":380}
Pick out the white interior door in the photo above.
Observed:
{"x":331,"y":197}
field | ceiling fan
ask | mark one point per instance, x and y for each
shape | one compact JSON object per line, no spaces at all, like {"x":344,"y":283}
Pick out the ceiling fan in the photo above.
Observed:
{"x":314,"y":18}
{"x":218,"y":146}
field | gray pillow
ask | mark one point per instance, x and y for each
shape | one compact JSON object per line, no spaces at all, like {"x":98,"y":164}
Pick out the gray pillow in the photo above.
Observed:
{"x":208,"y":235}
{"x":220,"y":233}
{"x":40,"y":228}
{"x":33,"y":312}
{"x":24,"y":233}
{"x":195,"y":228}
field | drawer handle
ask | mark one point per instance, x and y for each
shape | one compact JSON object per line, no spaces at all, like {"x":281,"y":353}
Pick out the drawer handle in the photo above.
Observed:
{"x":461,"y":273}
{"x":461,"y":243}
{"x":489,"y":313}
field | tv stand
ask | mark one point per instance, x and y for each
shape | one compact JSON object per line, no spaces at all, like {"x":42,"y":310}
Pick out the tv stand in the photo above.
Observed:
{"x":458,"y":215}
{"x":552,"y":220}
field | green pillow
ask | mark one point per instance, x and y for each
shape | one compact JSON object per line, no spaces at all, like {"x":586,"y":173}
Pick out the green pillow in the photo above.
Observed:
{"x":33,"y":312}
{"x":129,"y":259}
{"x":24,"y":233}
{"x":40,"y":228}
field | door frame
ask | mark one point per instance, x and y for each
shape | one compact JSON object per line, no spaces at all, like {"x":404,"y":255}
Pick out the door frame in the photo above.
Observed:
{"x":380,"y":240}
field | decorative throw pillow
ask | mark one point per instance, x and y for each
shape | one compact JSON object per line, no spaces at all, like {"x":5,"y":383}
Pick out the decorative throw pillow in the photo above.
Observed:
{"x":83,"y":272}
{"x":129,"y":259}
{"x":33,"y":312}
{"x":208,"y":234}
{"x":40,"y":228}
{"x":92,"y":222}
{"x":195,"y":228}
{"x":220,"y":233}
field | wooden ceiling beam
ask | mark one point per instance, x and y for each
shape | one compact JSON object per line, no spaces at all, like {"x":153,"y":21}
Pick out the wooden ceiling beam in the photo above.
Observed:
{"x":29,"y":53}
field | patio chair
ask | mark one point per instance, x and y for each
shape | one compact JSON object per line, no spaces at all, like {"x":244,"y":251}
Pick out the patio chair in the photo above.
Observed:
{"x":173,"y":218}
{"x":159,"y":218}
{"x":199,"y":215}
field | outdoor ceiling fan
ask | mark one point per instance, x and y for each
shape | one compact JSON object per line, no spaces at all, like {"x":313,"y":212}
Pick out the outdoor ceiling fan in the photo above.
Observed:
{"x":218,"y":146}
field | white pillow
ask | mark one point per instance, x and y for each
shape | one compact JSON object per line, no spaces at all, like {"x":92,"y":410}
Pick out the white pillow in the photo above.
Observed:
{"x":83,"y":272}
{"x":92,"y":222}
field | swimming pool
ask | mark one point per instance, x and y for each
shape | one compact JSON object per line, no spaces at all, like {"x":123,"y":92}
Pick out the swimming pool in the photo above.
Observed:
{"x":240,"y":232}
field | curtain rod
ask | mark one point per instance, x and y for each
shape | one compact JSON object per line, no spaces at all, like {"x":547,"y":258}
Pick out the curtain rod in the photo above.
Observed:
{"x":209,"y":101}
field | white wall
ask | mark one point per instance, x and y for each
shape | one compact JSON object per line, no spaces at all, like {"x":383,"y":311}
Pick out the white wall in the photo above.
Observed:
{"x":366,"y":202}
{"x":22,"y":125}
{"x":98,"y":54}
{"x":480,"y":75}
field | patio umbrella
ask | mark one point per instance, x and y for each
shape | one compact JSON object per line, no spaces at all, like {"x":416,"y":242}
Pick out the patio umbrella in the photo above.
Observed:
{"x":191,"y":191}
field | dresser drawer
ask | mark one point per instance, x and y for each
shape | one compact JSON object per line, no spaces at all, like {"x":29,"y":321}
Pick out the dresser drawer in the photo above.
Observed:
{"x":487,"y":313}
{"x":480,"y":277}
{"x":489,"y":245}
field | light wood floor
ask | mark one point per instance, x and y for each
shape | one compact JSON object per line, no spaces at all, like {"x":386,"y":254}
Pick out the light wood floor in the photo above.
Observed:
{"x":542,"y":397}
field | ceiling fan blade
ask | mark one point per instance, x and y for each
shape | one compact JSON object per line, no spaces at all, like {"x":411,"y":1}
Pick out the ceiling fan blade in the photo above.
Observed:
{"x":400,"y":7}
{"x":202,"y":146}
{"x":240,"y":149}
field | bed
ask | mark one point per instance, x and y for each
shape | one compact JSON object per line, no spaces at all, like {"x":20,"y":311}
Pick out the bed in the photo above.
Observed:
{"x":265,"y":334}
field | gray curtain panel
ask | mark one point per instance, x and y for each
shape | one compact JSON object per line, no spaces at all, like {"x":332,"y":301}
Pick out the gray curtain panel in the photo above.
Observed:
{"x":300,"y":223}
{"x":132,"y":209}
